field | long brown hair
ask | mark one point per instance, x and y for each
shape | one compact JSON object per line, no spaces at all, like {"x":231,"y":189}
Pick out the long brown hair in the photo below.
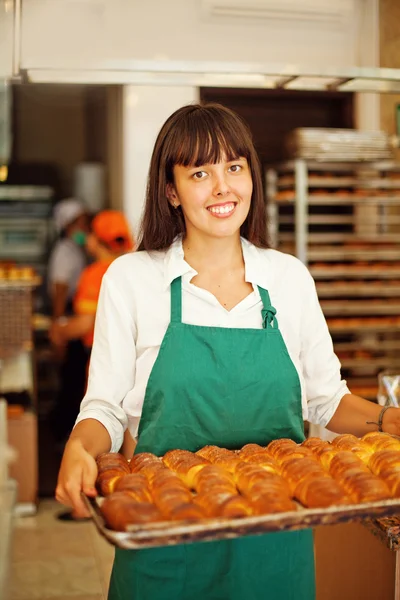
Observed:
{"x":197,"y":135}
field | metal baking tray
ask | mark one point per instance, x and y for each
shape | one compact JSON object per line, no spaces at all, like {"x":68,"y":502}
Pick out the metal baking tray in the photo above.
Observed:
{"x":172,"y":533}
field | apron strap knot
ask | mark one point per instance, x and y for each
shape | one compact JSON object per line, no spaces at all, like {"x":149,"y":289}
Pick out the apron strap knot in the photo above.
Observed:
{"x":269,"y":318}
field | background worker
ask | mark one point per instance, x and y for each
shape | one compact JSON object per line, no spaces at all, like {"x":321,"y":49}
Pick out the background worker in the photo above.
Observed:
{"x":67,"y":261}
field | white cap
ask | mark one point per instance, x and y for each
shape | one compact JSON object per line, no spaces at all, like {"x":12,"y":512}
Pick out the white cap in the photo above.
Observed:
{"x":67,"y":211}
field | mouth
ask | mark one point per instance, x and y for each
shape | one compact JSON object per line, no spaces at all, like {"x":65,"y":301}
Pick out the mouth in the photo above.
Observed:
{"x":222,"y":211}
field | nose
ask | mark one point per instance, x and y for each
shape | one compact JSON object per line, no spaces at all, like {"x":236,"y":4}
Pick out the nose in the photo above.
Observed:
{"x":221,"y":187}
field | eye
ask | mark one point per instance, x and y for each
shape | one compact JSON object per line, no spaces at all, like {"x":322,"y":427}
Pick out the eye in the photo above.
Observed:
{"x":199,"y":175}
{"x":235,"y":168}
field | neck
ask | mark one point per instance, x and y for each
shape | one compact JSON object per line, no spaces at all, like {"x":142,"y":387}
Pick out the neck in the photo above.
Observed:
{"x":213,"y":254}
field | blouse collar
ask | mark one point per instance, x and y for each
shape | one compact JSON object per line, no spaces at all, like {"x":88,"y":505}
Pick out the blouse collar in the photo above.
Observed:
{"x":256,"y":267}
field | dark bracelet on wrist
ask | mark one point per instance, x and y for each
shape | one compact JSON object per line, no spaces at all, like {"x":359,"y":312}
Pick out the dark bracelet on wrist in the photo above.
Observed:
{"x":380,"y":418}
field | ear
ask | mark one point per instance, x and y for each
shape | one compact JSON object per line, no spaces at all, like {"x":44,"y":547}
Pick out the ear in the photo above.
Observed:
{"x":172,"y":195}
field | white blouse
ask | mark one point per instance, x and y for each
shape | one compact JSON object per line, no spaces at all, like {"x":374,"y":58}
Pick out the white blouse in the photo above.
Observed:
{"x":134,"y":312}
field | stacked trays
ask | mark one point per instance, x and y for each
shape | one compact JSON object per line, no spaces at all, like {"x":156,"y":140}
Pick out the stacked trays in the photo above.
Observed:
{"x":338,"y":144}
{"x":215,"y":492}
{"x":343,"y":220}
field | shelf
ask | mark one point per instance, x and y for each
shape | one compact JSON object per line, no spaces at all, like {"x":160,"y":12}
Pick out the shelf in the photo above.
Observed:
{"x":349,"y":199}
{"x":372,"y":363}
{"x":363,"y":327}
{"x":354,"y":346}
{"x":346,"y":307}
{"x":333,"y":290}
{"x":353,"y":273}
{"x":329,"y":253}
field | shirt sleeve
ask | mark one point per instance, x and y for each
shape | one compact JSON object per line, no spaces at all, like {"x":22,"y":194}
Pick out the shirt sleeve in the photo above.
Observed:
{"x":62,"y":265}
{"x":321,"y":367}
{"x":87,"y":293}
{"x":112,"y":364}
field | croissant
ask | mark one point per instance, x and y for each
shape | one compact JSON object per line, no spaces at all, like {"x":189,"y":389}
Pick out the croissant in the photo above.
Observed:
{"x":120,"y":511}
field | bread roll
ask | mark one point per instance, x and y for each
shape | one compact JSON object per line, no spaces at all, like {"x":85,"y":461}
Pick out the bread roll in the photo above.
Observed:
{"x":320,"y":492}
{"x":107,"y":480}
{"x":234,"y":507}
{"x":187,"y":512}
{"x":211,"y":502}
{"x":120,"y":511}
{"x":222,"y":457}
{"x":295,"y":470}
{"x":214,"y":478}
{"x":112,"y":460}
{"x":276,"y":446}
{"x":381,"y":441}
{"x":186,"y":464}
{"x":138,"y":461}
{"x":136,"y":485}
{"x":250,"y":450}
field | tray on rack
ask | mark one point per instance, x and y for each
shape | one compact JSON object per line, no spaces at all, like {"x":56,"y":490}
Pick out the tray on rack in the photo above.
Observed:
{"x":171,"y":533}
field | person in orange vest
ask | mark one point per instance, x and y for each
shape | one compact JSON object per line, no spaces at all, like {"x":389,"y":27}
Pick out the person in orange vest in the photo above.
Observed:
{"x":110,"y":237}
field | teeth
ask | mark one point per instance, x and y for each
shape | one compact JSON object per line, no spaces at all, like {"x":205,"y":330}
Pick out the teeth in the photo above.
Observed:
{"x":221,"y":210}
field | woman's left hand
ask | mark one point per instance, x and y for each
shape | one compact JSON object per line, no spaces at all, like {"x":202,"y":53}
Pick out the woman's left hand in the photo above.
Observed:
{"x":391,"y":421}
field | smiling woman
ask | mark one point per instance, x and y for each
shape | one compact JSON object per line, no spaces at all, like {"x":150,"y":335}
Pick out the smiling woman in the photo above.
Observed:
{"x":188,"y":353}
{"x":211,"y":146}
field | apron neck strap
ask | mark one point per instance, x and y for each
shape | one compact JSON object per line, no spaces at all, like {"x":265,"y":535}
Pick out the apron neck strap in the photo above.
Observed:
{"x":176,"y":300}
{"x":268,"y":311}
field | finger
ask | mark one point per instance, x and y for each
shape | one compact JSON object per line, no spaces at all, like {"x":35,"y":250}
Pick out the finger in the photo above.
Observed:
{"x":62,"y":497}
{"x":89,"y":476}
{"x":78,"y":503}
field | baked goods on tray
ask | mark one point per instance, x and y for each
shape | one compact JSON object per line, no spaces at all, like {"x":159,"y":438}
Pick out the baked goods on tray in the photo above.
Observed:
{"x":255,"y":480}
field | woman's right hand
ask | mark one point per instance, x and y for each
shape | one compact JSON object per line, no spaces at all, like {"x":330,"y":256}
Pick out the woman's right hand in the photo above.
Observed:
{"x":77,"y":474}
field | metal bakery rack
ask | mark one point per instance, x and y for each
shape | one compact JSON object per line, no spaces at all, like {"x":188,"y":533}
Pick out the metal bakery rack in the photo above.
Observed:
{"x":342,"y":219}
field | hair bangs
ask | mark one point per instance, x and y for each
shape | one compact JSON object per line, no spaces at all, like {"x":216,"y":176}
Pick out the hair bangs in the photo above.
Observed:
{"x":204,"y":138}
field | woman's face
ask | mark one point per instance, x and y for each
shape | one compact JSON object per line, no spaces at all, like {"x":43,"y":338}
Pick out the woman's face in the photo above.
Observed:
{"x":215,"y":198}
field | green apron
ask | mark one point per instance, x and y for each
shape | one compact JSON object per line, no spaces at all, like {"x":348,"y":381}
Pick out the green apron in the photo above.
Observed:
{"x":229,"y":387}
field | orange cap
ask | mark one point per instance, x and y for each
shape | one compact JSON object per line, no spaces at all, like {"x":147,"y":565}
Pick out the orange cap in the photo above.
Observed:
{"x":112,"y":228}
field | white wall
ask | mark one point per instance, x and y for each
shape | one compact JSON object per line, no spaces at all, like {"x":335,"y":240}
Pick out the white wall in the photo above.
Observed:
{"x":80,"y":33}
{"x":144,"y":111}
